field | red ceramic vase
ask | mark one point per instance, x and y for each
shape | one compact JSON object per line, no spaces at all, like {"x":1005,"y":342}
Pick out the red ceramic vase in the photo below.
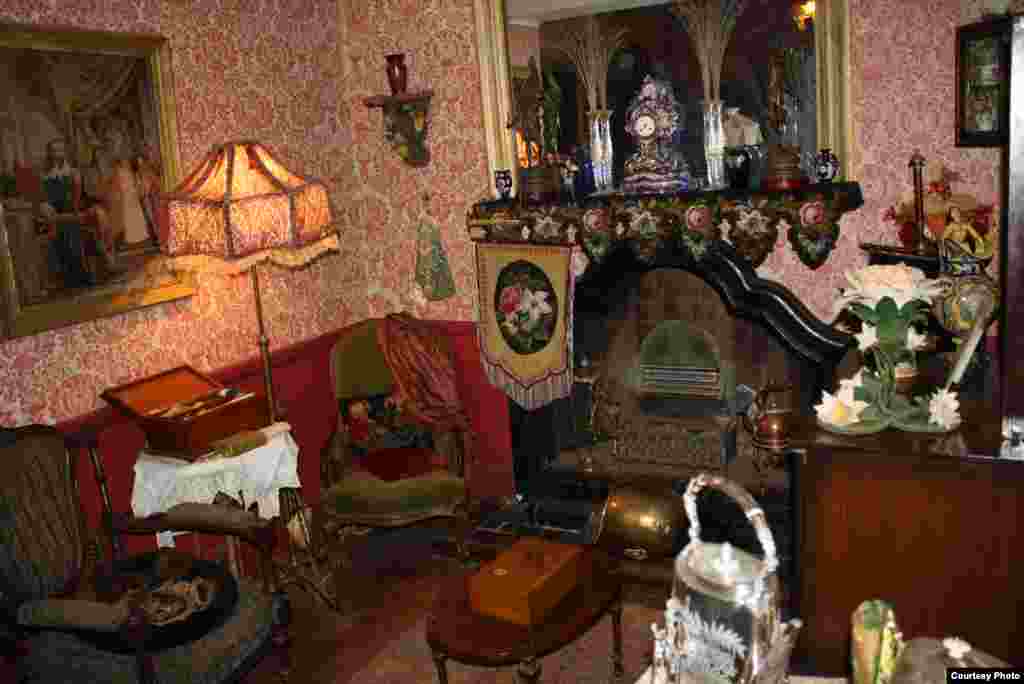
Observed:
{"x":397,"y":73}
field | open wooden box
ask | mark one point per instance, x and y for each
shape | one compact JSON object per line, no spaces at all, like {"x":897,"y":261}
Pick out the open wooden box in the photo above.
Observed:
{"x":183,"y":411}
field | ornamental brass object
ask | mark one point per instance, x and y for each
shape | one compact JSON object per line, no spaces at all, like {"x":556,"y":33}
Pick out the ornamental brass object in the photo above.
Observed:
{"x":725,"y":614}
{"x":640,"y":524}
{"x":770,"y":416}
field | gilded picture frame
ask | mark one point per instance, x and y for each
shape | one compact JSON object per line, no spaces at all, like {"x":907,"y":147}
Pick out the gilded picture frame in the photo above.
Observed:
{"x":983,"y":84}
{"x":139,"y":114}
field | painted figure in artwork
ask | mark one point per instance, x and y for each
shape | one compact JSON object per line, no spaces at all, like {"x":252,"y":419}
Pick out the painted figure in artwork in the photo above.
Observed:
{"x":147,"y":181}
{"x":62,"y":190}
{"x":124,"y":202}
{"x":960,"y":231}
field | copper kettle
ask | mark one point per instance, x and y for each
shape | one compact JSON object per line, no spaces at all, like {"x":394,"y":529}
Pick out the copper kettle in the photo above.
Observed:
{"x":770,"y":416}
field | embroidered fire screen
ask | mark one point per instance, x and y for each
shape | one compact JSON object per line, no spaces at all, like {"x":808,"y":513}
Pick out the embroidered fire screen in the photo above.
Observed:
{"x":525,"y":326}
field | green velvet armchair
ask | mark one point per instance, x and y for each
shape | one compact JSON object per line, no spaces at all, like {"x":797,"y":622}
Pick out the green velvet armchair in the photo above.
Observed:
{"x":397,"y":457}
{"x":158,"y":617}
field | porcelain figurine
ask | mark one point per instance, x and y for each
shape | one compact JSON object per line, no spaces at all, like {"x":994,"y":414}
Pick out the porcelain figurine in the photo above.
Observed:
{"x":826,"y":166}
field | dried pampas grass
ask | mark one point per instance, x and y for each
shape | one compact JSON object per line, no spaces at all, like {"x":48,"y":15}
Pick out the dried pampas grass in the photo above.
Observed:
{"x":710,"y":24}
{"x":591,"y":45}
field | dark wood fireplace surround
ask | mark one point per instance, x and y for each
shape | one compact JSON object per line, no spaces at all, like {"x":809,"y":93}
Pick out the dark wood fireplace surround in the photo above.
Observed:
{"x":697,"y":254}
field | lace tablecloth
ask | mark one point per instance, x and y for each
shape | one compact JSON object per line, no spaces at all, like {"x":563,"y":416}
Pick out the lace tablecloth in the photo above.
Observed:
{"x":253,"y":476}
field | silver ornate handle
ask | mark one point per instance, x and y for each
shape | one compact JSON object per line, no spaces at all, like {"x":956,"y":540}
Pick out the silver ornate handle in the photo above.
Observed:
{"x":746,"y":502}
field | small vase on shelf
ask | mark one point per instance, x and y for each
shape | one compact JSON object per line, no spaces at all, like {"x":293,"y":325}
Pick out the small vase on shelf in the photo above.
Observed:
{"x":397,"y":73}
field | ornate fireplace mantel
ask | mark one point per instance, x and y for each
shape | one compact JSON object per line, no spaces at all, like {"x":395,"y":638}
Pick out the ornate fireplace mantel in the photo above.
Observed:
{"x":748,"y":221}
{"x":720,"y":236}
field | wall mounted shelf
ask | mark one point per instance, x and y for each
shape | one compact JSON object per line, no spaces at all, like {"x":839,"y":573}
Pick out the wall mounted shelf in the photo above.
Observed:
{"x":406,"y":122}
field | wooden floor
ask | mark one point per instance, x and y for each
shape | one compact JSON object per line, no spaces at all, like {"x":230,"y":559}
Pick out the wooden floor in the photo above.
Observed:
{"x":328,"y":647}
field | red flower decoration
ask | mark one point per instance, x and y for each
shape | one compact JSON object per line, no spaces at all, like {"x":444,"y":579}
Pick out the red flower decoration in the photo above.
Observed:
{"x":510,"y":298}
{"x":698,"y":218}
{"x":812,"y":213}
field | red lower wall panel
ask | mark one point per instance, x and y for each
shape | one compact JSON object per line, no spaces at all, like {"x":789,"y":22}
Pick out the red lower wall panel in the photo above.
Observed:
{"x":302,"y":384}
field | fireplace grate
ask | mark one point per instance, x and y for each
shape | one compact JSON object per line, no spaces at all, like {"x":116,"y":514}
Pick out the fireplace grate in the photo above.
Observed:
{"x":680,"y":380}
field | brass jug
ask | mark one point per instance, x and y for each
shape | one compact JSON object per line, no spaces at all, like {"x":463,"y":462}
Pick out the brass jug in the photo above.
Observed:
{"x":724,"y":621}
{"x":770,"y":416}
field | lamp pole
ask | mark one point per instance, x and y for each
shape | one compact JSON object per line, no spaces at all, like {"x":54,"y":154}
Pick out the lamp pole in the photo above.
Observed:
{"x":264,"y":347}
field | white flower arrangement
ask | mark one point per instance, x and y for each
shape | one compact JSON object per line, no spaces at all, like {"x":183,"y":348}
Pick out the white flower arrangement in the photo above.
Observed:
{"x":889,"y":301}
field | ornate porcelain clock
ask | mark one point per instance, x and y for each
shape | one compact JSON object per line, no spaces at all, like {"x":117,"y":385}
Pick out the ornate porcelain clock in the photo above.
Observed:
{"x":652,"y":119}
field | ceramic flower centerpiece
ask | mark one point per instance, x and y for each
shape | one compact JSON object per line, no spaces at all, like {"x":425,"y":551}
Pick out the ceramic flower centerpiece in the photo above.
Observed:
{"x":889,"y":301}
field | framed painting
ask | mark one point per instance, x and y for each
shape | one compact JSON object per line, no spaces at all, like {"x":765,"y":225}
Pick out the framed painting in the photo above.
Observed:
{"x":88,"y":142}
{"x":983,"y":84}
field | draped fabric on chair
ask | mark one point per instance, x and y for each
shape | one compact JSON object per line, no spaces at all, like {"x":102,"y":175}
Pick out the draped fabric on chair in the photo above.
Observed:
{"x":398,"y":455}
{"x":423,"y":368}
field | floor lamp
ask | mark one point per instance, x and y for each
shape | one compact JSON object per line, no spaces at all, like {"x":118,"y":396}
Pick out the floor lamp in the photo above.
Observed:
{"x":238,"y":208}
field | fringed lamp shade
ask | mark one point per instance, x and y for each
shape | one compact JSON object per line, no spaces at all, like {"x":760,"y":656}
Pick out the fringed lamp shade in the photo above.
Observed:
{"x":241,"y":207}
{"x":241,"y":201}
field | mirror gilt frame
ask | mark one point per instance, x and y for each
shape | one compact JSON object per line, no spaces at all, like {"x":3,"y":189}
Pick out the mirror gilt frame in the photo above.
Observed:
{"x":832,"y":52}
{"x":20,"y":318}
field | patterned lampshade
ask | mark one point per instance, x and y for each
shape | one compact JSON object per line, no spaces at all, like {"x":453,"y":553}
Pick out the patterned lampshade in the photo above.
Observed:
{"x":240,"y":207}
{"x":241,"y":201}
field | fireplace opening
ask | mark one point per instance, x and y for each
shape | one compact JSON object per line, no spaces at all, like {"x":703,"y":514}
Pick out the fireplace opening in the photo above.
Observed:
{"x":668,"y":353}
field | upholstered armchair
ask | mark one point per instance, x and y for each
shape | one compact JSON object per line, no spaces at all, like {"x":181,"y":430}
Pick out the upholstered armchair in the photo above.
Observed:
{"x":157,"y":617}
{"x":397,"y":455}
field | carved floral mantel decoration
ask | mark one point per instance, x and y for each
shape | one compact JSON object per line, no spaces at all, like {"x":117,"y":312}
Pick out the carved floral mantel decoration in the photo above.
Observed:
{"x":691,"y":221}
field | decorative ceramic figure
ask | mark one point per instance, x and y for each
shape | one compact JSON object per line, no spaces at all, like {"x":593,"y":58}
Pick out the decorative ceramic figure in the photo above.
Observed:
{"x":397,"y":73}
{"x":503,"y":183}
{"x":826,"y":166}
{"x":876,"y":642}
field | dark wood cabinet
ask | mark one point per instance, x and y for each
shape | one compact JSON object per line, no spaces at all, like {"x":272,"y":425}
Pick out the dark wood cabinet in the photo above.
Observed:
{"x":922,"y":521}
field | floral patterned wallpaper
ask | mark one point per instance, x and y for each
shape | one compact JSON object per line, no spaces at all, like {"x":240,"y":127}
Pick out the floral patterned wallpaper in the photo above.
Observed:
{"x":294,"y":73}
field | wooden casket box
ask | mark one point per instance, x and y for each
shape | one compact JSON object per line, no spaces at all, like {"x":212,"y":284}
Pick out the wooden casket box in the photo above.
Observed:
{"x":183,"y":411}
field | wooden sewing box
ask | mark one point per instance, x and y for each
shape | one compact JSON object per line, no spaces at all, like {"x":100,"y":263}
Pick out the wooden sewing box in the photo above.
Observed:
{"x":182,"y":410}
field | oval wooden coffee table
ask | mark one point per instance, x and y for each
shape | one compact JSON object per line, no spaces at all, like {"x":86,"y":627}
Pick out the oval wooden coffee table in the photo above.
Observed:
{"x":456,"y":632}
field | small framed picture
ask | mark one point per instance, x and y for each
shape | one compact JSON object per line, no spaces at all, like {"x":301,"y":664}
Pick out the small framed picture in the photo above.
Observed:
{"x":983,"y":83}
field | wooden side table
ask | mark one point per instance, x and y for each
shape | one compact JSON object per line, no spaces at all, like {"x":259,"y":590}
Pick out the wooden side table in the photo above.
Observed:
{"x":456,"y":632}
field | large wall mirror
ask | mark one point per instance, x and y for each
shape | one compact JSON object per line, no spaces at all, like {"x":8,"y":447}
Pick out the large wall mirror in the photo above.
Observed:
{"x":496,"y":19}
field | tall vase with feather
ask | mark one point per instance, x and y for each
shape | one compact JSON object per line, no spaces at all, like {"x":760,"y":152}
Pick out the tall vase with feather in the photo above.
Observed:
{"x":710,"y":24}
{"x":591,"y":45}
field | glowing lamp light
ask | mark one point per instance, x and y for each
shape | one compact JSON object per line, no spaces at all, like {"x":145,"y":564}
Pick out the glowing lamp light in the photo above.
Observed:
{"x":803,"y":14}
